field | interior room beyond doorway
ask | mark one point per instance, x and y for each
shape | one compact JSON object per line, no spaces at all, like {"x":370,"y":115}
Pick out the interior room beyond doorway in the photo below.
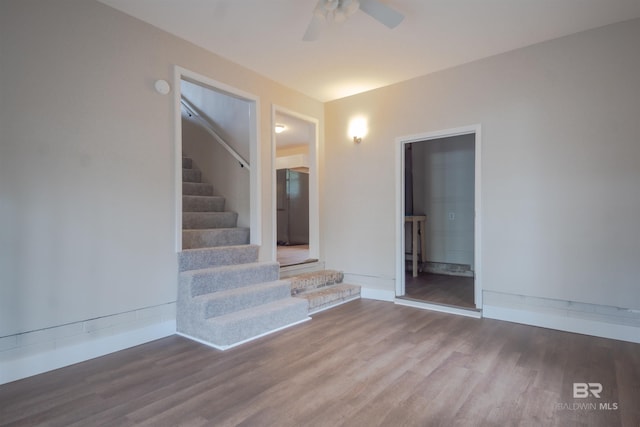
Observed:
{"x":439,"y":206}
{"x":295,"y":170}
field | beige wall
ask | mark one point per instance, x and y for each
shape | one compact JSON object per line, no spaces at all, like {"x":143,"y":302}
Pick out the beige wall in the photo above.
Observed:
{"x":560,"y":167}
{"x":87,"y":160}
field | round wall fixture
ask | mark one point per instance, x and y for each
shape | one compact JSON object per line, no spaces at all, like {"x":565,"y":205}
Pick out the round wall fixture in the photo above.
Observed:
{"x":162,"y":87}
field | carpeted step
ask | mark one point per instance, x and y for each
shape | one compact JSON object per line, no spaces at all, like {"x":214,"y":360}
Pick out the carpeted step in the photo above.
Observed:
{"x":314,"y":280}
{"x":225,"y":296}
{"x":224,"y":302}
{"x":197,"y":189}
{"x":234,"y":328}
{"x":330,"y":296}
{"x":194,"y":259}
{"x":210,"y":238}
{"x":200,"y":220}
{"x":214,"y":279}
{"x":202,"y":204}
{"x":191,"y":175}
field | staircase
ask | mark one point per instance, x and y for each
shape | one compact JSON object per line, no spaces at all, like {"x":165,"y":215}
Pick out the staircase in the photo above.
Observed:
{"x":204,"y":222}
{"x":225,"y":296}
{"x":322,"y":289}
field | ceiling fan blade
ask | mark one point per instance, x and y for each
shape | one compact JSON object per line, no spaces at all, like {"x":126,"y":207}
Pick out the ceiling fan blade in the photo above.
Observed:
{"x":381,"y":12}
{"x":313,"y":30}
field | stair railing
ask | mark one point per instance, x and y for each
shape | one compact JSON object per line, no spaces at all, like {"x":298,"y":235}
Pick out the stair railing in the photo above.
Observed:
{"x":193,"y":111}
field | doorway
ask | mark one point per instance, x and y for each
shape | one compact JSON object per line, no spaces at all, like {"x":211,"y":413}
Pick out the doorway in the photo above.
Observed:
{"x":184,"y":78}
{"x":438,"y":220}
{"x":296,"y":214}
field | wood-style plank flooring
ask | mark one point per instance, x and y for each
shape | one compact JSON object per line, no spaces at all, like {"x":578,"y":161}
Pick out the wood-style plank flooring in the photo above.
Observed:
{"x":293,"y":255}
{"x":364,"y":363}
{"x":441,"y":289}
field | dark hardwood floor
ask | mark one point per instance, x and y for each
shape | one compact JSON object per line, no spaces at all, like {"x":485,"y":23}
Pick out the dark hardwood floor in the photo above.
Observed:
{"x":440,"y":289}
{"x":364,"y":363}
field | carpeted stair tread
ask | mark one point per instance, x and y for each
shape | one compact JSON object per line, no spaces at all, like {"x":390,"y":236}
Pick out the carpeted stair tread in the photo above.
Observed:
{"x":203,"y":203}
{"x":194,"y":259}
{"x":187,"y":163}
{"x":191,"y":175}
{"x":330,"y":296}
{"x":225,"y":302}
{"x":197,"y":189}
{"x":214,"y":237}
{"x":214,"y":279}
{"x":245,"y":324}
{"x":314,"y":280}
{"x":200,"y":220}
{"x":208,"y":220}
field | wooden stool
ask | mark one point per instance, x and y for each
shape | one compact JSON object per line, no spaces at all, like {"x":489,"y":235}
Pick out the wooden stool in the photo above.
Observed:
{"x":418,"y":223}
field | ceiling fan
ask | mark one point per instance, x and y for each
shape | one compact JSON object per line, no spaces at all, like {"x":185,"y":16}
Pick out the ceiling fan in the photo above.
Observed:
{"x":328,"y":11}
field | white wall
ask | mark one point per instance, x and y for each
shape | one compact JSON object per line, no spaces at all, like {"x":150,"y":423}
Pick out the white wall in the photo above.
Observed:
{"x":560,"y":174}
{"x":87,"y":162}
{"x":443,"y":184}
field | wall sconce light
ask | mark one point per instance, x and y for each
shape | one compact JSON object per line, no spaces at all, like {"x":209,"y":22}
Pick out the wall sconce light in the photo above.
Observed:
{"x":280,"y":128}
{"x":358,"y":129}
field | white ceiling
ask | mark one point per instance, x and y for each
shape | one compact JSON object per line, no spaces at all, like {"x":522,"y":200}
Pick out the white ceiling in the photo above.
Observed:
{"x":361,"y":54}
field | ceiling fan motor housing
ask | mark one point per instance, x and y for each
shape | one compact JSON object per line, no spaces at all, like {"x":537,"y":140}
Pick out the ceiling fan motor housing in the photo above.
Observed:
{"x":337,"y":10}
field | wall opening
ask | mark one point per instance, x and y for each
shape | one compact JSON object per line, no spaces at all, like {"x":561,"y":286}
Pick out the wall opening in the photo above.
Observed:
{"x":438,"y":233}
{"x":296,"y":224}
{"x":233,"y":115}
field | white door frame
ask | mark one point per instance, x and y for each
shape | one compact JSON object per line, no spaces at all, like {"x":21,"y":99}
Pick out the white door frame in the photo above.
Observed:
{"x":255,"y":181}
{"x":400,"y":186}
{"x":314,"y":192}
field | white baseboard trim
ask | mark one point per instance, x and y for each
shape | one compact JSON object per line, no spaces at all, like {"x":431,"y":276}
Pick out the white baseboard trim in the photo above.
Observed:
{"x":476,"y":314}
{"x":377,"y":294}
{"x":227,"y":347}
{"x":573,"y":324}
{"x":16,"y":369}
